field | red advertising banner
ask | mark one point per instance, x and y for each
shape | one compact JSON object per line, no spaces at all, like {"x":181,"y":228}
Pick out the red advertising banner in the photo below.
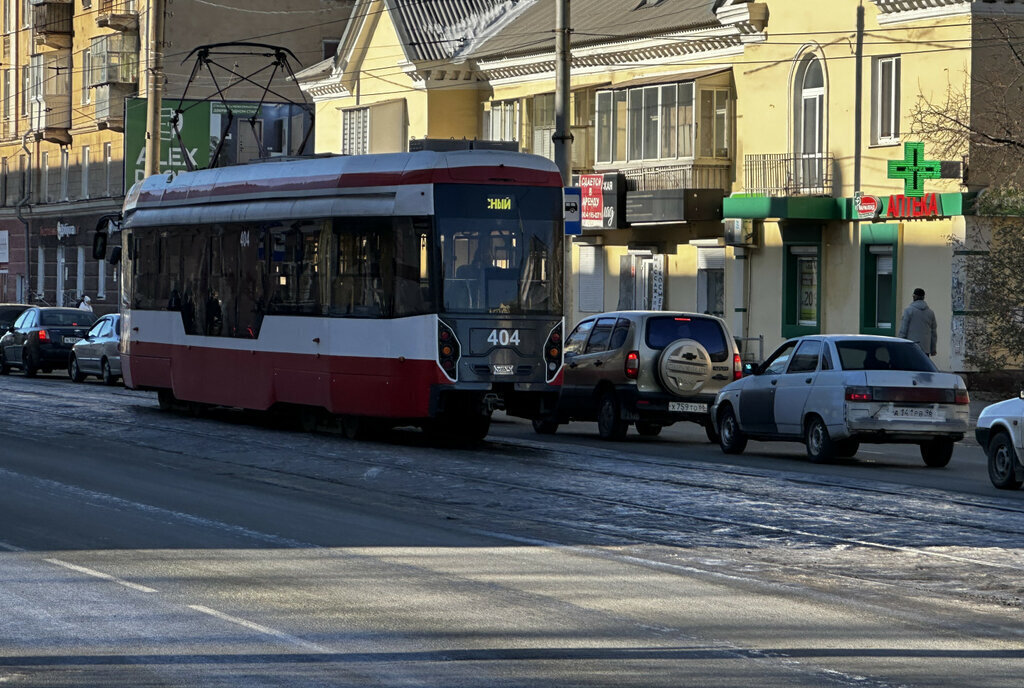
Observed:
{"x":592,"y":206}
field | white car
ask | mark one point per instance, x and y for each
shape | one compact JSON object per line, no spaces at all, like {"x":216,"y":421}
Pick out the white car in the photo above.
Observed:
{"x":835,"y":391}
{"x":999,"y":434}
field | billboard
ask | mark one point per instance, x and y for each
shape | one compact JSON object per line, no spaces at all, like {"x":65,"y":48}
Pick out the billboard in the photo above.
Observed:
{"x":279,"y":126}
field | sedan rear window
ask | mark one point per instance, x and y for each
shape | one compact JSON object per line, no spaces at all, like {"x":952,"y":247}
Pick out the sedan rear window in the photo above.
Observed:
{"x":662,"y":331}
{"x":878,"y":355}
{"x":71,"y":317}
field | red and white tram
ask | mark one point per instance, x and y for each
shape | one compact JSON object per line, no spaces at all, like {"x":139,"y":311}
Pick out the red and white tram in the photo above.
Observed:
{"x":411,"y":288}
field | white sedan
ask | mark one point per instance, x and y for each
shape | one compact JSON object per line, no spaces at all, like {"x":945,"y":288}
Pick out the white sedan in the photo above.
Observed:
{"x":999,"y":434}
{"x":835,"y":391}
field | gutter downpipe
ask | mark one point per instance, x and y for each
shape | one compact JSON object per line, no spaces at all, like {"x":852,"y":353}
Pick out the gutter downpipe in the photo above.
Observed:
{"x":20,"y":206}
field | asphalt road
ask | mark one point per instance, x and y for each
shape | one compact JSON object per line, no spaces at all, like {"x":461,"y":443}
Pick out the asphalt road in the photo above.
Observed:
{"x":140,"y":548}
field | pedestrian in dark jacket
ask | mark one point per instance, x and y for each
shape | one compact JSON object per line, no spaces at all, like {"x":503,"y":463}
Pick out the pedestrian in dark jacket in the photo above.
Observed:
{"x":918,"y":324}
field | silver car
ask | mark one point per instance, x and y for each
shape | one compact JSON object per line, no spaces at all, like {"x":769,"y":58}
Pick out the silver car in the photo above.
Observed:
{"x":99,"y":352}
{"x":835,"y":391}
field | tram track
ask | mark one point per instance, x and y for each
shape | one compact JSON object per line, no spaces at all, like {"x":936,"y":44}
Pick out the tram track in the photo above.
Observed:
{"x":537,"y":458}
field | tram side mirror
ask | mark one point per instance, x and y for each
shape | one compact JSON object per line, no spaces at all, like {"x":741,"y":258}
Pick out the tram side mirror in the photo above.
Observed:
{"x":115,"y":255}
{"x":99,"y":245}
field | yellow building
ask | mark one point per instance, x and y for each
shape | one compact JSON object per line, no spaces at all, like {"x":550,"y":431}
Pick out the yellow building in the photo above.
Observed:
{"x":67,"y":68}
{"x":750,"y":159}
{"x":399,"y":74}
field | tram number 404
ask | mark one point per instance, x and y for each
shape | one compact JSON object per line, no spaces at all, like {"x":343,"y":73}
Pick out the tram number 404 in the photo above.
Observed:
{"x":503,"y":337}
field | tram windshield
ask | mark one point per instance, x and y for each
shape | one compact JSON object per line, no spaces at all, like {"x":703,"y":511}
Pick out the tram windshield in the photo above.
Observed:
{"x":506,"y":258}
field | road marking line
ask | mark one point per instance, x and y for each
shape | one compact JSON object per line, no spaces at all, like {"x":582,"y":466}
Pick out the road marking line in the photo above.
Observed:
{"x":11,"y":548}
{"x":280,"y":635}
{"x":101,"y":575}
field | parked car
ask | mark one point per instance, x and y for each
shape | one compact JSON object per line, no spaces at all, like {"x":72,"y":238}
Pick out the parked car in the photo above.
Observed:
{"x":644,"y":368}
{"x":999,"y":434}
{"x":834,"y":392}
{"x":41,"y":339}
{"x":9,"y":312}
{"x":99,"y":352}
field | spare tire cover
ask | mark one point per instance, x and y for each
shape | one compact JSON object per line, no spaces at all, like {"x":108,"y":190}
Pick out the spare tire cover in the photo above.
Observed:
{"x":684,"y":367}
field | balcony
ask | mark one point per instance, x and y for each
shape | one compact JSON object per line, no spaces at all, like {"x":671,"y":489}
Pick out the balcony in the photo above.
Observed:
{"x":785,"y":174}
{"x":50,"y":96}
{"x":120,"y":15}
{"x":51,"y":23}
{"x":688,"y":175}
{"x":109,"y":103}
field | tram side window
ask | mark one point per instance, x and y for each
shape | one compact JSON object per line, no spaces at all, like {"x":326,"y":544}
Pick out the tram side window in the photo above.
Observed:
{"x":147,"y":270}
{"x":296,"y":273}
{"x":380,"y":268}
{"x":235,"y":298}
{"x":195,"y":285}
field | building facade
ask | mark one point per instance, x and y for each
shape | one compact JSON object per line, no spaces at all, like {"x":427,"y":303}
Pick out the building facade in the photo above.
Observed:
{"x":68,"y":68}
{"x":779,"y":167}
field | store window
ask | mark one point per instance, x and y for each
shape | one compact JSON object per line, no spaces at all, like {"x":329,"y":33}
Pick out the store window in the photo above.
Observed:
{"x":801,"y":274}
{"x":879,"y":244}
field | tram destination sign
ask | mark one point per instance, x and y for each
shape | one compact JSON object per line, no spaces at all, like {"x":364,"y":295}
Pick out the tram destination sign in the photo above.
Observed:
{"x":279,"y":130}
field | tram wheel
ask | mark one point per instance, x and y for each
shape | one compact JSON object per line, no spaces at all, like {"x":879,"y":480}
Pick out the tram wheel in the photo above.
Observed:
{"x":165,"y":398}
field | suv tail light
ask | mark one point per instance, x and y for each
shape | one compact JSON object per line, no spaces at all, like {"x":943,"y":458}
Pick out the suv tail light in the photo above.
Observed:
{"x":737,"y":367}
{"x":961,"y":397}
{"x":43,"y":337}
{"x":858,"y":394}
{"x":632,"y":365}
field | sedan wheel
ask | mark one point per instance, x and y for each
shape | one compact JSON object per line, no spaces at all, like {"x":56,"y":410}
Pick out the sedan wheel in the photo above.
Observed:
{"x":609,"y":425}
{"x":937,"y":453}
{"x":107,"y":374}
{"x":1002,"y":463}
{"x":74,"y":372}
{"x":29,"y":363}
{"x":820,"y":447}
{"x":730,"y":438}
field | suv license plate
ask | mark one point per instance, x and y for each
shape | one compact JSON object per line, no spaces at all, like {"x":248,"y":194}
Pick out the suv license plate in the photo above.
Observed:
{"x":687,"y":407}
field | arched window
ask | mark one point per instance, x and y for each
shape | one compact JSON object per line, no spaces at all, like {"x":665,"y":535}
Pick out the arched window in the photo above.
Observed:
{"x":809,"y":137}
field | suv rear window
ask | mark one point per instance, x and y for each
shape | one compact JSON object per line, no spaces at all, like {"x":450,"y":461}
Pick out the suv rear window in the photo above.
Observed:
{"x":664,"y":330}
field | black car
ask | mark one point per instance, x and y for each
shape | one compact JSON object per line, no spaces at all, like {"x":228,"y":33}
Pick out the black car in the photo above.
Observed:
{"x":9,"y":312}
{"x":41,"y":339}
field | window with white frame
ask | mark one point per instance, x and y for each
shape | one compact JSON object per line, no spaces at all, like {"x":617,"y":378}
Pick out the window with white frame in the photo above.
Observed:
{"x":355,"y":131}
{"x":108,"y":167}
{"x":65,"y":164}
{"x":26,"y":88}
{"x":501,"y":122}
{"x":86,"y":76}
{"x":85,"y":171}
{"x":543,"y":121}
{"x":710,"y":278}
{"x":714,"y":123}
{"x":809,"y":119}
{"x":885,"y":92}
{"x":44,"y":177}
{"x":645,"y":123}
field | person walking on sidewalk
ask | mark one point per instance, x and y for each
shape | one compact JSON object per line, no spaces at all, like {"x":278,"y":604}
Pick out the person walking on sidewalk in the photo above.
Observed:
{"x":918,"y":324}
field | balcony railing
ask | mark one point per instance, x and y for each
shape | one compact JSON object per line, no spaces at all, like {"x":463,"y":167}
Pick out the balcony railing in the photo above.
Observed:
{"x":120,"y":15}
{"x":51,"y":24}
{"x":786,"y":174}
{"x":680,"y":176}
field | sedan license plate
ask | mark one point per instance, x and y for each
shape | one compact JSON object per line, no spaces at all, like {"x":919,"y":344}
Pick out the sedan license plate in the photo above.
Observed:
{"x":687,"y":407}
{"x":72,"y":340}
{"x":912,"y":413}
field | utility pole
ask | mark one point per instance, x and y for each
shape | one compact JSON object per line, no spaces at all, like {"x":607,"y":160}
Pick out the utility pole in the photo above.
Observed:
{"x":154,"y":85}
{"x":562,"y":137}
{"x":858,"y":98}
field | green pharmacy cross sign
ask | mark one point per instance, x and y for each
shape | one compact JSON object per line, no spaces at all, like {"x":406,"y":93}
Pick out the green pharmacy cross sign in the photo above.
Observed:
{"x":913,"y":169}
